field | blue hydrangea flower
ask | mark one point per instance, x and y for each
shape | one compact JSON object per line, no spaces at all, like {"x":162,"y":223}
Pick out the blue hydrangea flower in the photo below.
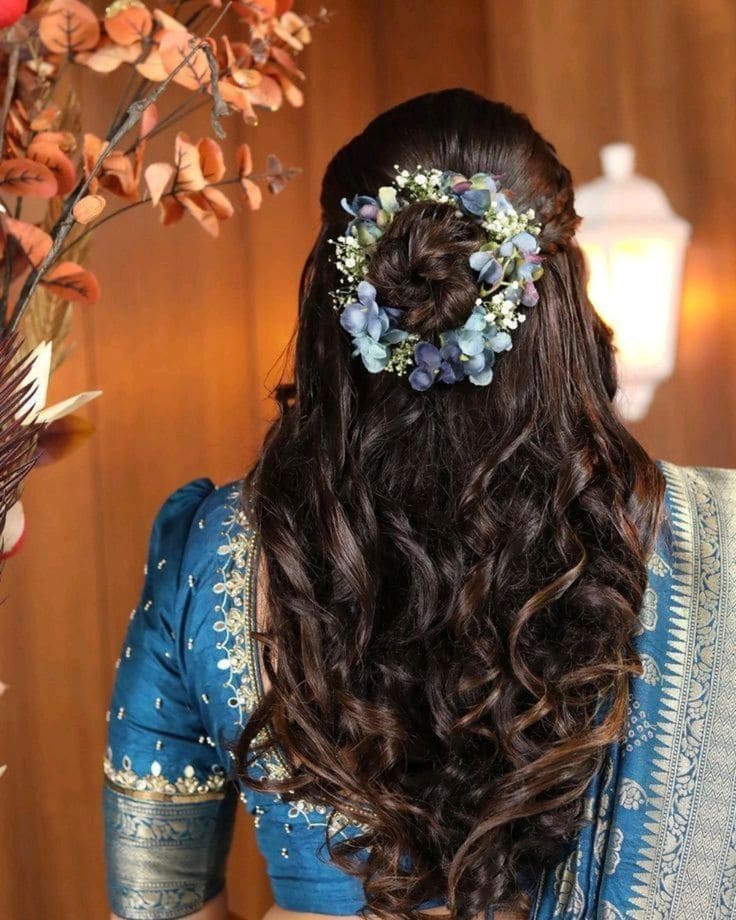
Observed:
{"x":435,"y":363}
{"x":524,"y":242}
{"x":362,"y":206}
{"x":371,"y":215}
{"x":474,"y":195}
{"x":373,"y":328}
{"x":490,"y":270}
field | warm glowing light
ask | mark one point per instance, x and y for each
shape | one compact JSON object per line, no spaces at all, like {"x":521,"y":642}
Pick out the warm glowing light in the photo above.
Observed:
{"x":634,"y":245}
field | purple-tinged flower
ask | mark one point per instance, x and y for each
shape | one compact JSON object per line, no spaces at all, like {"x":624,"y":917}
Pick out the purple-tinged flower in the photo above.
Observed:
{"x":421,"y":378}
{"x":362,"y":206}
{"x":474,"y":195}
{"x":530,"y":297}
{"x":529,"y":270}
{"x":435,"y":363}
{"x":428,"y":359}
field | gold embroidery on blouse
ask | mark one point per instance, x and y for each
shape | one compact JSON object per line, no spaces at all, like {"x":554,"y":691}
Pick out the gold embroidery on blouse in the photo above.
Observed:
{"x":155,"y":786}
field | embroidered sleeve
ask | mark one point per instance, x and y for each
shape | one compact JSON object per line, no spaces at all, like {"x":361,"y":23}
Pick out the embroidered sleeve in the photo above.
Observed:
{"x":168,"y":806}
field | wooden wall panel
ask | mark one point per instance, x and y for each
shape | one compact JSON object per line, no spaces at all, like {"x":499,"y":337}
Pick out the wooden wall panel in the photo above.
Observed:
{"x":661,"y":75}
{"x":188,"y":339}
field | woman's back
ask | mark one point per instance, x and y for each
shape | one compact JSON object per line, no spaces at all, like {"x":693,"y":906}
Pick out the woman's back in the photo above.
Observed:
{"x":660,"y":833}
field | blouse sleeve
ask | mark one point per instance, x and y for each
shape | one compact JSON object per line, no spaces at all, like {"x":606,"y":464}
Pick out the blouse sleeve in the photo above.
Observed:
{"x":168,"y":805}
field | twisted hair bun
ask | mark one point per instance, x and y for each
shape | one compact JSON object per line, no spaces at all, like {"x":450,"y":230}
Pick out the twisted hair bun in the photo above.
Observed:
{"x":420,"y":265}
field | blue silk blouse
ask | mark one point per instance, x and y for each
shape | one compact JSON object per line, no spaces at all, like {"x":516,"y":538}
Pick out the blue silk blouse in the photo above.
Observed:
{"x":660,"y":840}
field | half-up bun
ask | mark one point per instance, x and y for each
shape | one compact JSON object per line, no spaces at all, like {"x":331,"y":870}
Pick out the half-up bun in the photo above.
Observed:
{"x":420,"y":264}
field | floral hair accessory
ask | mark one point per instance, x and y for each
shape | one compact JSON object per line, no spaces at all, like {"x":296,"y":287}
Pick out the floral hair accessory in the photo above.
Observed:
{"x":508,"y":264}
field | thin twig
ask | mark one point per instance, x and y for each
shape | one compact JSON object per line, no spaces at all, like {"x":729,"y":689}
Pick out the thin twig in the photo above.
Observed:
{"x":183,"y":110}
{"x":11,"y":78}
{"x":123,"y":103}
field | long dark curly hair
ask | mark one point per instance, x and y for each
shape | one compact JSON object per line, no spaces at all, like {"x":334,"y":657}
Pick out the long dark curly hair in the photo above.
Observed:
{"x":453,"y":575}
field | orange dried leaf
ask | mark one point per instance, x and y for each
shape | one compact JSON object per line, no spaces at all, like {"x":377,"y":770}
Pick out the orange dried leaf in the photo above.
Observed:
{"x":118,"y":176}
{"x":174,"y":47}
{"x":130,"y":24}
{"x":252,"y":193}
{"x":51,"y":155}
{"x":23,"y":176}
{"x":244,"y":159}
{"x":168,"y":23}
{"x":291,"y":91}
{"x":267,"y":94}
{"x":219,"y":203}
{"x":266,"y":8}
{"x":152,"y":68}
{"x":239,"y":98}
{"x":92,"y":147}
{"x":246,"y":78}
{"x":157,"y":177}
{"x":108,"y":56}
{"x":198,"y":207}
{"x":65,"y":140}
{"x":34,"y":241}
{"x":72,"y":282}
{"x":69,"y":26}
{"x":294,"y":26}
{"x":172,"y":211}
{"x":88,"y":208}
{"x":189,"y":174}
{"x":285,"y":60}
{"x":211,"y":160}
{"x":237,"y":53}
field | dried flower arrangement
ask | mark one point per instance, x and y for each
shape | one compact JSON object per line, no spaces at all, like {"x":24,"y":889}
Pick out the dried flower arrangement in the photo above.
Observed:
{"x":47,"y":157}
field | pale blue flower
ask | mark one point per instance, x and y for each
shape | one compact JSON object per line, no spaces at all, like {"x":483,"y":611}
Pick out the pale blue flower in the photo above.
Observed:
{"x":524,"y":242}
{"x":490,"y":270}
{"x":374,"y":329}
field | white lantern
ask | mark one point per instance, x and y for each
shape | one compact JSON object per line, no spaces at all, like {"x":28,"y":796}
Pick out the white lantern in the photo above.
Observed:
{"x":634,"y":244}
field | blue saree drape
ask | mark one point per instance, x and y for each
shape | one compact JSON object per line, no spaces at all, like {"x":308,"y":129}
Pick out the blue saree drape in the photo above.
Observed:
{"x":660,"y":839}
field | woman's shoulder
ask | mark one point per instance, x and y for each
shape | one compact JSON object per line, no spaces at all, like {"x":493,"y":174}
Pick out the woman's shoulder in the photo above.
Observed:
{"x":199,"y":550}
{"x":193,"y":523}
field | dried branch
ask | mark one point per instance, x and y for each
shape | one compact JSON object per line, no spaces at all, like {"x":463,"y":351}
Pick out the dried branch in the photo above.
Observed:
{"x":132,"y":117}
{"x":13,"y":59}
